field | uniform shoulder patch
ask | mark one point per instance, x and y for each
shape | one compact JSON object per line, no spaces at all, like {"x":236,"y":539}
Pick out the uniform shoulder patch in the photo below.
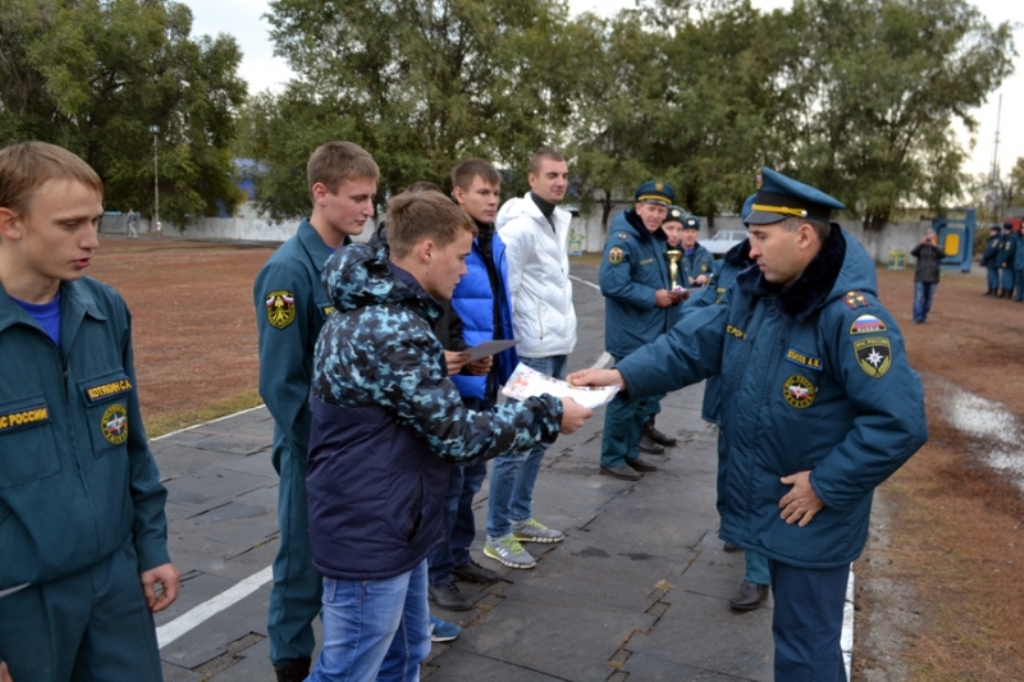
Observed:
{"x":867,"y":324}
{"x":114,"y":424}
{"x":615,"y":255}
{"x":855,"y":299}
{"x":280,"y":308}
{"x":874,"y":355}
{"x":622,"y":235}
{"x":798,"y":391}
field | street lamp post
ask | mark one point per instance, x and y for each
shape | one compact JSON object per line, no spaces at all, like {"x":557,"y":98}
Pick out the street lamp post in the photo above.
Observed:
{"x":156,"y":180}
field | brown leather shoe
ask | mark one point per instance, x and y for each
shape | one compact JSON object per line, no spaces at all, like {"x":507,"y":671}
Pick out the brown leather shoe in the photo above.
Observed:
{"x":750,"y":596}
{"x":657,"y":436}
{"x":641,"y":464}
{"x":648,"y":445}
{"x":622,"y":471}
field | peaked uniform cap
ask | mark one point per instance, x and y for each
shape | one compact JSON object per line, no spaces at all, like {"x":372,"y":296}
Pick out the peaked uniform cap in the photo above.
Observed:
{"x":782,"y":197}
{"x":676,"y":214}
{"x":691,"y":223}
{"x":748,"y":207}
{"x":656,"y":190}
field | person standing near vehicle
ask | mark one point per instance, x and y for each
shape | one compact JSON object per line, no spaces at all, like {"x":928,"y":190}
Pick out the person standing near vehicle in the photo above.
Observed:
{"x":926,"y":275}
{"x":83,"y":533}
{"x":536,"y":237}
{"x":291,"y":307}
{"x":800,"y":339}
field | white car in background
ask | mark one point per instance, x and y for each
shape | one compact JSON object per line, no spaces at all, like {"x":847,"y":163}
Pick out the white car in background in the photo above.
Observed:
{"x":720,"y":244}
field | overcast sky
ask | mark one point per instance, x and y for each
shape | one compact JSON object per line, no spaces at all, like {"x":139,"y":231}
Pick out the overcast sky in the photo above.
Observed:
{"x":262,"y":70}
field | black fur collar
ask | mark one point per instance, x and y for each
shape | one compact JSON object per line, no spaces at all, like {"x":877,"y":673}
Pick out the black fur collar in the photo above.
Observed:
{"x":798,"y":302}
{"x":739,"y":255}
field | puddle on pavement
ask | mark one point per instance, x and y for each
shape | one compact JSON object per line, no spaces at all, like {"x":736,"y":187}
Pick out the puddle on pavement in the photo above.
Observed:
{"x":992,"y":422}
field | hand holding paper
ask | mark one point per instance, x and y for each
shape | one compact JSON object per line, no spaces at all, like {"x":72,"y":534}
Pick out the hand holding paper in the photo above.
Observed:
{"x":528,"y":383}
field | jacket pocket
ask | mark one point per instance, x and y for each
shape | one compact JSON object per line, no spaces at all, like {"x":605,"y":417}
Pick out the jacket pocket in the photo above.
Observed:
{"x":106,"y":412}
{"x":28,"y":446}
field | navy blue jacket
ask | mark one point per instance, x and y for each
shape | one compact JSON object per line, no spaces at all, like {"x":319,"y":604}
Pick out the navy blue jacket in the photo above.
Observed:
{"x":478,"y":303}
{"x":991,"y":252}
{"x":1018,"y":258}
{"x":1007,"y":251}
{"x":815,"y":377}
{"x":387,"y":421}
{"x":700,"y":262}
{"x":633,"y":269}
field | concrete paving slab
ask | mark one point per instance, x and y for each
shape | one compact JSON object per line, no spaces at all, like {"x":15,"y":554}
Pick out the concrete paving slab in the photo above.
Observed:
{"x":652,"y":668}
{"x":211,"y":638}
{"x":457,"y":665}
{"x":258,"y":464}
{"x":174,"y":673}
{"x":212,"y":486}
{"x":175,"y":460}
{"x":233,"y":443}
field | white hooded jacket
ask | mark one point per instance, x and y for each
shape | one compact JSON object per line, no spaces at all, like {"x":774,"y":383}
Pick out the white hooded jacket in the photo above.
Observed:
{"x":538,"y":278}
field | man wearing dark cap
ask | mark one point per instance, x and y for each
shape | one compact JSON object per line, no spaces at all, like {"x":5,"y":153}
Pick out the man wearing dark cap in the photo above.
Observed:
{"x":634,"y":279}
{"x":988,"y":259}
{"x":819,"y":407}
{"x":697,"y":261}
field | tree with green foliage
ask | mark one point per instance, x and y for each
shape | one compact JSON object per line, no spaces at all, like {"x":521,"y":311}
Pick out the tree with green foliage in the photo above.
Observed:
{"x":94,"y":75}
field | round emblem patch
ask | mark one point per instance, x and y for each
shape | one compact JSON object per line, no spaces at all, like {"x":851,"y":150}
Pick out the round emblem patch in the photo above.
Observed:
{"x":114,"y":424}
{"x":280,"y":308}
{"x":799,"y":391}
{"x":615,"y":255}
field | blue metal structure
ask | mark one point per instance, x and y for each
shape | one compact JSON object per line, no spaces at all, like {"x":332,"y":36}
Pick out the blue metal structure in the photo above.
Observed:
{"x":956,"y":240}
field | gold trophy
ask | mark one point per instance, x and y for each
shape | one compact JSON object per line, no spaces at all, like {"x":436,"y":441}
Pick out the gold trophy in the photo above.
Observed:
{"x":674,"y":256}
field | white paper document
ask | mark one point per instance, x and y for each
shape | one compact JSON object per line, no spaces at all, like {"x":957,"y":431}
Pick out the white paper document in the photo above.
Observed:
{"x":528,"y":383}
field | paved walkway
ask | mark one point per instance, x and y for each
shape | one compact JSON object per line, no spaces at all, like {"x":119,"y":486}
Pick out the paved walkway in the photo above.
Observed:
{"x":638,"y":590}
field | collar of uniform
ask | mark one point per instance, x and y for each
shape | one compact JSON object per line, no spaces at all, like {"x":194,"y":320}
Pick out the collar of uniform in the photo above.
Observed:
{"x":642,"y":232}
{"x":74,"y":297}
{"x":739,"y":254}
{"x":799,"y":301}
{"x":314,"y":245}
{"x":431,"y":308}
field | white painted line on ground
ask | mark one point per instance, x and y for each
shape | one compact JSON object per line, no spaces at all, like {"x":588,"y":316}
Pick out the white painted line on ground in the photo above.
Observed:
{"x":212,"y":421}
{"x":167,"y":633}
{"x":846,"y":639}
{"x":583,"y":281}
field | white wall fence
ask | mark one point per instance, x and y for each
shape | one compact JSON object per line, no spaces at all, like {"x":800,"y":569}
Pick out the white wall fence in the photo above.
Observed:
{"x":248,"y":225}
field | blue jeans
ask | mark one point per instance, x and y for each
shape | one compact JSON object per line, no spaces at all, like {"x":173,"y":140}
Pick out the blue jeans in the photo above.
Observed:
{"x":510,"y":499}
{"x":808,"y":622}
{"x":924,"y":292}
{"x":374,"y":629}
{"x":464,"y":482}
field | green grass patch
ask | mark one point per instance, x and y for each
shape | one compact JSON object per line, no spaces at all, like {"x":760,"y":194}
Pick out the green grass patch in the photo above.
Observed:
{"x":592,"y":259}
{"x":158,"y":426}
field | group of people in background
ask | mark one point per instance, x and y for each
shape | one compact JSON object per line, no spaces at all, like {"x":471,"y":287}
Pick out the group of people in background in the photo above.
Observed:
{"x":1003,"y":257}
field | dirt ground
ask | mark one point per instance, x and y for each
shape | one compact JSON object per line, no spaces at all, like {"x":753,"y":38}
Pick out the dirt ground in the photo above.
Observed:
{"x":939,"y":588}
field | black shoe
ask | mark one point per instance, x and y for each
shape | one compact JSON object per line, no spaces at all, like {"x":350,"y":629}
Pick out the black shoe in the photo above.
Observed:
{"x":729,"y":547}
{"x":648,"y":445}
{"x":640,"y":464}
{"x":621,"y":471}
{"x":750,"y":596}
{"x":657,"y":436}
{"x":448,"y":597}
{"x":296,"y":671}
{"x":472,"y":572}
{"x":990,"y":292}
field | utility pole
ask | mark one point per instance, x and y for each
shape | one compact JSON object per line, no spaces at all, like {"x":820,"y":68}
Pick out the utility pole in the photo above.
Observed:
{"x":156,"y":176}
{"x":995,"y":194}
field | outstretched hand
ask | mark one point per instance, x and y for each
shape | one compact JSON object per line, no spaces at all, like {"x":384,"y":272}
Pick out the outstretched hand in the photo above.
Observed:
{"x":573,"y":415}
{"x":800,"y":504}
{"x":596,"y":377}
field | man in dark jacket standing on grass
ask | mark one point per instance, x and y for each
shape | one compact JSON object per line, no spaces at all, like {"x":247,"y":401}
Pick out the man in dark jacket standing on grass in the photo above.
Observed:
{"x":387,"y":423}
{"x":926,"y":275}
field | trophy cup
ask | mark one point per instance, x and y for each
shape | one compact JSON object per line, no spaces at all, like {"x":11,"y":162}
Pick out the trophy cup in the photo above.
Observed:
{"x":673,"y":256}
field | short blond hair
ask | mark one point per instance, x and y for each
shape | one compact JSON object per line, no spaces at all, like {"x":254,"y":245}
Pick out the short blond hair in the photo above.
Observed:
{"x":27,"y":166}
{"x":335,"y":162}
{"x":415,"y":216}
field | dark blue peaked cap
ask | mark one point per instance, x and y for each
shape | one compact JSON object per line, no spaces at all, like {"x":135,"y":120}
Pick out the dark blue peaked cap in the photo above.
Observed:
{"x":748,"y":207}
{"x":656,"y":190}
{"x":781,"y":197}
{"x":676,"y":214}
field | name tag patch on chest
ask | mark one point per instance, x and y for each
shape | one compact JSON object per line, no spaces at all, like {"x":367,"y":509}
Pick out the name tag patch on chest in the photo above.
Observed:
{"x":738,"y":333}
{"x":804,"y":360}
{"x":646,"y":261}
{"x":114,"y":424}
{"x":37,"y":414}
{"x":799,"y":391}
{"x":107,"y":389}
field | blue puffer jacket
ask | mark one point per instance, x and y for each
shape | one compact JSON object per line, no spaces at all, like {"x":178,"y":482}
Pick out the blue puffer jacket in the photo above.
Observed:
{"x":387,"y":421}
{"x":474,"y":301}
{"x":634,"y":267}
{"x":815,"y":377}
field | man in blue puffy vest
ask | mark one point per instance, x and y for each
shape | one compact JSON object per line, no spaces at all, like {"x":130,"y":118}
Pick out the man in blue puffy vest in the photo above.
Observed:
{"x":819,"y":407}
{"x":634,"y":279}
{"x":483,"y":311}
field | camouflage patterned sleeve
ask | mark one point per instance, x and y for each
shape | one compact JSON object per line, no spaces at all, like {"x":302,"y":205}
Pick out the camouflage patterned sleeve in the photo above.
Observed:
{"x":393,"y":360}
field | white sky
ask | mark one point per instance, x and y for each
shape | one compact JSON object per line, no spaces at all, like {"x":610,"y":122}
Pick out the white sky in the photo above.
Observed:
{"x":262,"y":70}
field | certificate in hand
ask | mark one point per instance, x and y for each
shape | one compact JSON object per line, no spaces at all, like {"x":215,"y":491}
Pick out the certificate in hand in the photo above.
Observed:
{"x":482,"y":350}
{"x":528,"y":383}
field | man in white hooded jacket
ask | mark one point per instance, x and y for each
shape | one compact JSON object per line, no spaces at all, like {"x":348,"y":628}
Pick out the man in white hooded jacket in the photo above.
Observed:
{"x":536,"y":236}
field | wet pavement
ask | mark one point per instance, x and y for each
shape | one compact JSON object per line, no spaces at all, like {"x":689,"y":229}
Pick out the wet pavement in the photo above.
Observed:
{"x":638,"y":590}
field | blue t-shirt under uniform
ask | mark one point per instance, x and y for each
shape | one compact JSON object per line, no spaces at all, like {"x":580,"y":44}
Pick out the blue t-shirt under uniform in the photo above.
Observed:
{"x":46,"y":314}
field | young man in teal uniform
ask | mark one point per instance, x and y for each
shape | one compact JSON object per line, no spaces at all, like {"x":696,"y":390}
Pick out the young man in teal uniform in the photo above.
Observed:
{"x":291,"y":307}
{"x":800,"y":340}
{"x":82,"y":526}
{"x":638,"y":296}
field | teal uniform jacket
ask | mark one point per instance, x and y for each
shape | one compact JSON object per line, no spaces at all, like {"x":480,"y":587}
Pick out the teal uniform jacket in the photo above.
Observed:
{"x":292,"y":306}
{"x":815,"y":377}
{"x":1018,"y":257}
{"x":1007,"y":251}
{"x":700,"y":262}
{"x":77,"y":478}
{"x":633,"y":268}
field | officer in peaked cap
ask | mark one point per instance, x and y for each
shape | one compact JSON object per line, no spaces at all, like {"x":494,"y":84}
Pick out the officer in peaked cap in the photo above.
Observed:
{"x":698,"y":262}
{"x":638,"y":295}
{"x":820,"y":406}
